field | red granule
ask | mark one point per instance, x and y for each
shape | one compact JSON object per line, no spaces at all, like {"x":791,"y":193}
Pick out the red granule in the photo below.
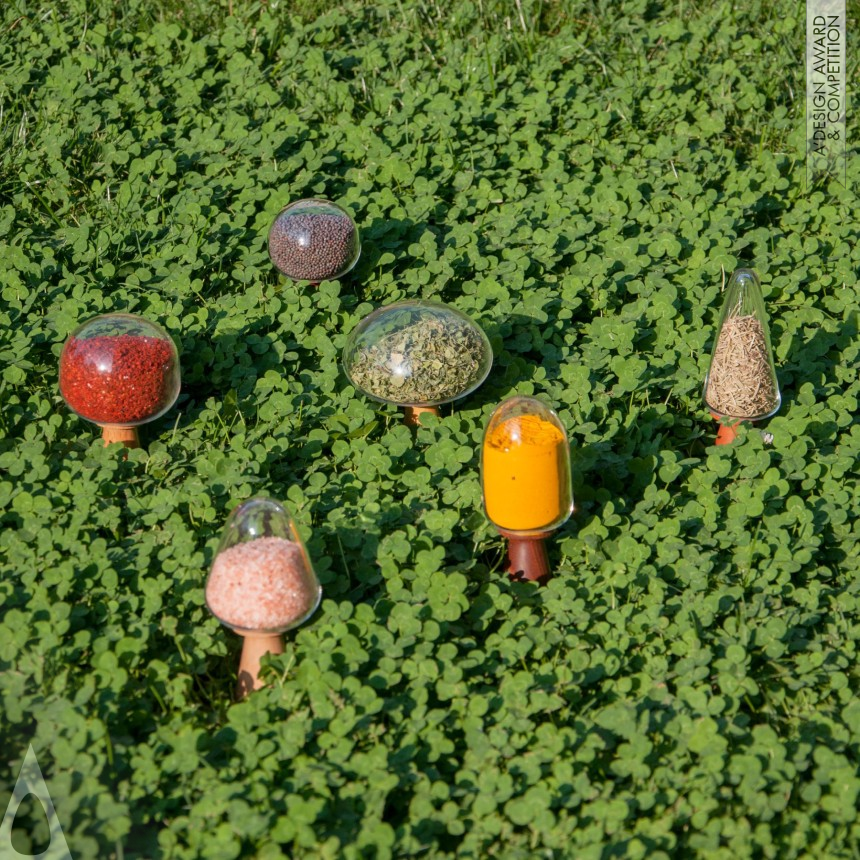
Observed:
{"x":262,"y":585}
{"x":118,"y":379}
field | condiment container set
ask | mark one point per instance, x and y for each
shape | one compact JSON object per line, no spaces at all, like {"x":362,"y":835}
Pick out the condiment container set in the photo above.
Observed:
{"x":120,"y":371}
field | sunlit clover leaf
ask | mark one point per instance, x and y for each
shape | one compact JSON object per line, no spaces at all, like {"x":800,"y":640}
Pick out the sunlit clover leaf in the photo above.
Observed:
{"x":705,"y":739}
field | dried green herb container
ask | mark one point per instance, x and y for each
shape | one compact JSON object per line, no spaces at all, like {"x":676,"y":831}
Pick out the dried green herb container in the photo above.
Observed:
{"x":418,"y":355}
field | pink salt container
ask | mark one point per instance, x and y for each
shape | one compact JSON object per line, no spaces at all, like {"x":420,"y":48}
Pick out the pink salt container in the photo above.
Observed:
{"x":261,"y":583}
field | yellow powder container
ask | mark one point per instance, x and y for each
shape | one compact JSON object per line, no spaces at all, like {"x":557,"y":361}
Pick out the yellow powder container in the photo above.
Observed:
{"x":525,"y":471}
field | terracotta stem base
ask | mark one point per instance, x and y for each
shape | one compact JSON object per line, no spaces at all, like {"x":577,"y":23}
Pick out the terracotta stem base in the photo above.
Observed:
{"x":527,"y":558}
{"x":253,"y":649}
{"x":412,"y":414}
{"x":727,"y":432}
{"x":124,"y":435}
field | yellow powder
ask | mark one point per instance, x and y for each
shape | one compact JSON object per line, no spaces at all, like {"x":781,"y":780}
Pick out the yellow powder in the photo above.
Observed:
{"x":526,"y":483}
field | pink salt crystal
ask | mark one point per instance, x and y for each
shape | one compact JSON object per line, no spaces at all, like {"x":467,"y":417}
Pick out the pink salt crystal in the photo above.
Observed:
{"x":263,"y":584}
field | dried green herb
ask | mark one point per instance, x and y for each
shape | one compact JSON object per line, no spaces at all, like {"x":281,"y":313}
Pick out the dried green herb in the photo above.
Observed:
{"x":430,"y":360}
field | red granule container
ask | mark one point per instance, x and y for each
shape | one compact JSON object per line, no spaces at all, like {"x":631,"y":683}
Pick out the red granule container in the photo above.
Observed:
{"x":119,"y":370}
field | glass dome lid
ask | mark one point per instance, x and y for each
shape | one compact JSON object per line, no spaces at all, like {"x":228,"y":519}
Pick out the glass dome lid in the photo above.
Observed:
{"x":417,"y":353}
{"x":525,"y":468}
{"x":313,"y":240}
{"x":261,"y":580}
{"x":741,"y":381}
{"x":119,"y":370}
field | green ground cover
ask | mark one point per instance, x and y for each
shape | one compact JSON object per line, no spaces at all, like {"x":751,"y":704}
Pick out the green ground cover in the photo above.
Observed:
{"x":576,"y":177}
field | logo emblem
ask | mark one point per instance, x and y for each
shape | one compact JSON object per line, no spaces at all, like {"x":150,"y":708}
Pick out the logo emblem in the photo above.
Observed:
{"x":31,"y":781}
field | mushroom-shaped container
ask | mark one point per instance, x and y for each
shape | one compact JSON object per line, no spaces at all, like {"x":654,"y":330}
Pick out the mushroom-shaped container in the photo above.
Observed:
{"x":417,"y":354}
{"x":314,"y":240}
{"x":525,"y":475}
{"x":119,"y":371}
{"x":261,"y":583}
{"x":741,"y":382}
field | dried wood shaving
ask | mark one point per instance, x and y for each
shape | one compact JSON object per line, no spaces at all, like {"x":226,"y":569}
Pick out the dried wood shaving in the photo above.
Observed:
{"x":741,"y":383}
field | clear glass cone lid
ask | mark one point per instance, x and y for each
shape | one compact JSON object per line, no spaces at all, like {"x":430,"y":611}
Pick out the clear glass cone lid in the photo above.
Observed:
{"x":417,"y":353}
{"x":525,"y":468}
{"x":741,"y":380}
{"x":119,"y":370}
{"x":261,"y":579}
{"x":314,"y":240}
